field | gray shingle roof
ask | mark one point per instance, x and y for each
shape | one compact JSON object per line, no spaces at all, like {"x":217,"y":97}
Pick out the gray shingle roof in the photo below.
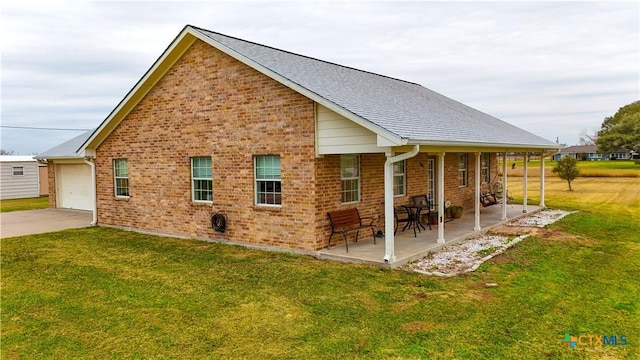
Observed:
{"x":579,"y":149}
{"x":406,"y":109}
{"x":67,"y":149}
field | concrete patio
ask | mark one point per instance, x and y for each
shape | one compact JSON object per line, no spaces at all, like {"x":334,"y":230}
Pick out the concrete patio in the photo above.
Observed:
{"x":409,"y":248}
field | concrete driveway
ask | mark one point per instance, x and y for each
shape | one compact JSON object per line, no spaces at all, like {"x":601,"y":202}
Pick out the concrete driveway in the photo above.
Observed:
{"x":19,"y":223}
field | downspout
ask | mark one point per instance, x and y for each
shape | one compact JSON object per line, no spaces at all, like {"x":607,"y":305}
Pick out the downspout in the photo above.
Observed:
{"x":89,"y":161}
{"x":389,"y":239}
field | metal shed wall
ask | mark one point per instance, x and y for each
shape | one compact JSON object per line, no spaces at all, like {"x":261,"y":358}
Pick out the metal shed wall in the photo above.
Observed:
{"x":19,"y":186}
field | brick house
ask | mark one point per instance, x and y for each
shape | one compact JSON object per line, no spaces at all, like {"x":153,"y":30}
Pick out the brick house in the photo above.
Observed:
{"x":590,"y":153}
{"x":275,"y":140}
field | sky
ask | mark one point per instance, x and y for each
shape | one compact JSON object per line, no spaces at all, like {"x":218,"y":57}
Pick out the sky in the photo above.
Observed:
{"x":555,"y":69}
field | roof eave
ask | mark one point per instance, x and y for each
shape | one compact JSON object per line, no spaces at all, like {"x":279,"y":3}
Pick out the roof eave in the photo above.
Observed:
{"x":40,"y":157}
{"x":481,"y":145}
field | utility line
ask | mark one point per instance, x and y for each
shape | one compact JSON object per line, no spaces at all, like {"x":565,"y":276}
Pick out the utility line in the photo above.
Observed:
{"x":41,"y":128}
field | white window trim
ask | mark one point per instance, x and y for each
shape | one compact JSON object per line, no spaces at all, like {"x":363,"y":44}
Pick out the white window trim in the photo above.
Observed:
{"x":351,"y":178}
{"x":115,"y":179}
{"x":404,"y":180}
{"x":14,"y":168}
{"x":463,"y":170}
{"x":194,"y":179}
{"x":486,"y":168}
{"x":431,"y":179}
{"x":256,"y":180}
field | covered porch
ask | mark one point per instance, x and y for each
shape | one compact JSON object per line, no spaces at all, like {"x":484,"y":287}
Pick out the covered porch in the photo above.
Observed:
{"x":409,"y":248}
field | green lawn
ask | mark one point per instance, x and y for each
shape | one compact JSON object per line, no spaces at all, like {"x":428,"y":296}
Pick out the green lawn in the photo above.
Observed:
{"x":106,"y":293}
{"x":611,"y":168}
{"x":24,"y":204}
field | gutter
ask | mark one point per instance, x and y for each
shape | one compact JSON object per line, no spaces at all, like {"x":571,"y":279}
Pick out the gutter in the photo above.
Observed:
{"x":510,"y":146}
{"x":89,"y":161}
{"x":389,"y":239}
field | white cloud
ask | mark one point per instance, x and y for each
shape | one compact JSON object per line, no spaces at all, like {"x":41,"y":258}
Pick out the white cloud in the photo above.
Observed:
{"x":553,"y":68}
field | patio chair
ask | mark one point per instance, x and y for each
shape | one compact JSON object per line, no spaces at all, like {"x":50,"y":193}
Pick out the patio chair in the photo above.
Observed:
{"x":423,"y":202}
{"x":401,"y":215}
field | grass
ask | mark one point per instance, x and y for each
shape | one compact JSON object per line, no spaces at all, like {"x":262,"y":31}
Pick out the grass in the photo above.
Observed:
{"x":24,"y":204}
{"x":611,"y":168}
{"x":106,"y":293}
{"x":619,"y":196}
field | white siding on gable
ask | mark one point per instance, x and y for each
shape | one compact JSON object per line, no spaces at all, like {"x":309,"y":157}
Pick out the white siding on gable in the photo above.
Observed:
{"x":20,"y":186}
{"x":336,"y":134}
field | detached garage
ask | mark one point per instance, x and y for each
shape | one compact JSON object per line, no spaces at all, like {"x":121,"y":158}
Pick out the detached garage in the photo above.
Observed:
{"x":70,"y":176}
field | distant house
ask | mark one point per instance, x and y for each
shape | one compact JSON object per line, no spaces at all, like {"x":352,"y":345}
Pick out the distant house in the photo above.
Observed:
{"x":20,"y":177}
{"x":590,"y":153}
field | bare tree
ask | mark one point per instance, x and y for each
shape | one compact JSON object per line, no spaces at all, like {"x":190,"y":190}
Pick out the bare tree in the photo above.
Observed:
{"x":587,"y":138}
{"x":7,"y":152}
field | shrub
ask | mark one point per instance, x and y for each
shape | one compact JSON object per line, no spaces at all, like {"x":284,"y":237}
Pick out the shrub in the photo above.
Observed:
{"x":567,"y":169}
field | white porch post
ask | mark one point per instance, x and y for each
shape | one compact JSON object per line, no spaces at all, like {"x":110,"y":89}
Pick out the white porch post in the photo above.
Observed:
{"x":524,"y":185}
{"x":504,"y":186}
{"x":441,"y":198}
{"x":477,"y":200}
{"x":389,"y":237}
{"x":542,"y":205}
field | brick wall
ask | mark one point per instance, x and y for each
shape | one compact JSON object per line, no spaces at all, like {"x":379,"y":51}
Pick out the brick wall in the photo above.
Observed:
{"x":209,"y":104}
{"x":51,"y":178}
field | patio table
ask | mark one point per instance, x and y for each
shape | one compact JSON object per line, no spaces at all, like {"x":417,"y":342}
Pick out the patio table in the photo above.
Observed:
{"x":414,"y":217}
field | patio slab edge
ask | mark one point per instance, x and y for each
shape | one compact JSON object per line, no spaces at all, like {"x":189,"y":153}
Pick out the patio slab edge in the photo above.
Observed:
{"x":408,"y":259}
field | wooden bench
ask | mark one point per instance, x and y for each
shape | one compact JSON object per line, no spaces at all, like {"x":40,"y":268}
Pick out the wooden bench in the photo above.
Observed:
{"x":344,"y":221}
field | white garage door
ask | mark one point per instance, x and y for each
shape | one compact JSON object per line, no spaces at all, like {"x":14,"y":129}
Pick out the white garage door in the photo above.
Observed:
{"x":74,"y":185}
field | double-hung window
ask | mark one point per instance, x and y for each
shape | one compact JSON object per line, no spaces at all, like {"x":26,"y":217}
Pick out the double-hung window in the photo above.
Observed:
{"x":399,"y":178}
{"x":17,"y":171}
{"x":121,"y":177}
{"x":268,"y":180}
{"x":485,"y":159}
{"x":201,"y":181}
{"x":350,"y":178}
{"x":462,"y":170}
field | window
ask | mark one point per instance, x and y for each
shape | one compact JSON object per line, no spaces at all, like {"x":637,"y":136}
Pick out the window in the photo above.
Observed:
{"x":350,"y":178}
{"x":462,"y":170}
{"x":268,"y":180}
{"x":121,"y":175}
{"x":17,"y":171}
{"x":485,"y":160}
{"x":399,"y":178}
{"x":201,"y":182}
